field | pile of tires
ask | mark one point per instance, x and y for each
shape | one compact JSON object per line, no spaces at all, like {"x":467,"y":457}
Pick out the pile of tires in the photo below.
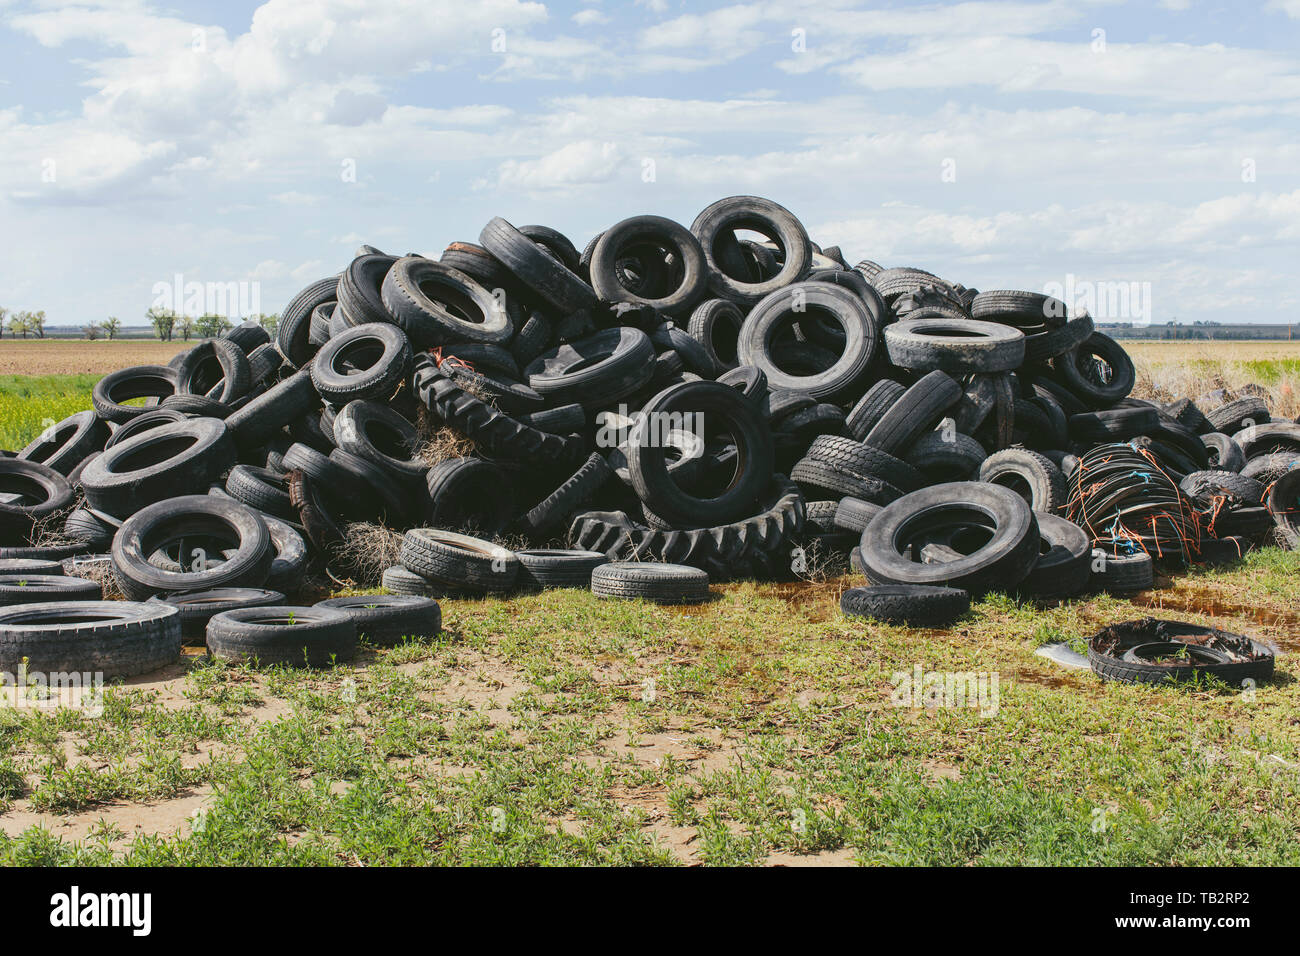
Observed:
{"x":666,"y":395}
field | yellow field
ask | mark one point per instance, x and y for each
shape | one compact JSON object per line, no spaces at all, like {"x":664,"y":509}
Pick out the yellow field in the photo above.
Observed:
{"x":75,"y":357}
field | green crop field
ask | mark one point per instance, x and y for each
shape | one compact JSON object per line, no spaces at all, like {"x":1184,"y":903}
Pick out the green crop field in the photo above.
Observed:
{"x":29,"y":404}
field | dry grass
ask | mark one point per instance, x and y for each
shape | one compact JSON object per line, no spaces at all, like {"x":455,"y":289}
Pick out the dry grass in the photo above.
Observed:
{"x":73,"y":356}
{"x":101,"y":572}
{"x":442,"y":444}
{"x":368,"y":549}
{"x":1171,"y":370}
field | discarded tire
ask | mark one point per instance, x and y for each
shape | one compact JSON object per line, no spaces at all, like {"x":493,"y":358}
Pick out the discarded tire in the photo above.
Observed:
{"x":660,"y":583}
{"x":1154,"y":651}
{"x":915,"y":604}
{"x":110,"y":638}
{"x":296,"y":636}
{"x":385,"y":620}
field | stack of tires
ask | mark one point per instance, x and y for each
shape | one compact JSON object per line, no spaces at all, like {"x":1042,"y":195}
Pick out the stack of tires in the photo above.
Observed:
{"x":675,"y":395}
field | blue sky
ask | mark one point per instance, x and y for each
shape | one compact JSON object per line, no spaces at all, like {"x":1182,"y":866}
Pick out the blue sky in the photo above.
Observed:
{"x":998,"y":144}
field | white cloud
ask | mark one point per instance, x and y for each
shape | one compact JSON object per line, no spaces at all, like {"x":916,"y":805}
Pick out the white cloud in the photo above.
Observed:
{"x":579,"y":163}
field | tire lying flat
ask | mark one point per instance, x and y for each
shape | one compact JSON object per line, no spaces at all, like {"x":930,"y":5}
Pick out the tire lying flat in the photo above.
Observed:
{"x":915,"y":604}
{"x":112,"y":638}
{"x":388,"y":619}
{"x":296,"y":636}
{"x":660,"y":583}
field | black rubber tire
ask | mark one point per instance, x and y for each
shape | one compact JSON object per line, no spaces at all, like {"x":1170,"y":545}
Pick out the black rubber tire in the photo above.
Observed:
{"x":1185,"y":412}
{"x":1020,"y":309}
{"x":854,"y":514}
{"x":193,"y":406}
{"x":725,"y":409}
{"x":533,"y":338}
{"x":386,"y":620}
{"x":316,"y":638}
{"x":1121,"y":573}
{"x":373,"y":431}
{"x":1210,"y":484}
{"x":216,"y":369}
{"x":959,"y":347}
{"x":398,"y":580}
{"x":289,"y":555}
{"x":470,"y":495}
{"x":295,"y":320}
{"x":1001,"y":563}
{"x":89,"y":528}
{"x":1269,"y":468}
{"x":1076,"y":371}
{"x":493,"y":433}
{"x":716,"y":325}
{"x":808,"y":302}
{"x":1113,"y":424}
{"x":1030,"y":475}
{"x":695,"y":357}
{"x":650,"y":581}
{"x":162,"y":415}
{"x":918,"y":410}
{"x":42,"y":490}
{"x":1233,"y":416}
{"x":1224,"y":453}
{"x":757,"y":546}
{"x":693,"y":276}
{"x":246,"y":564}
{"x":568,"y":499}
{"x":261,"y":489}
{"x":861,"y":459}
{"x":1065,"y":560}
{"x":138,"y":381}
{"x":557,"y":242}
{"x":483,"y":357}
{"x":541,"y":569}
{"x":157,"y":464}
{"x":945,"y":454}
{"x":561,"y":420}
{"x":263,"y":416}
{"x":23,"y":588}
{"x":1284,"y":505}
{"x":545,"y":276}
{"x":360,"y":293}
{"x":369,"y":361}
{"x":110,"y":638}
{"x":917,"y":605}
{"x":879,"y":398}
{"x":1126,"y":670}
{"x":248,"y":335}
{"x":1053,"y":343}
{"x":30,"y":566}
{"x":596,"y":370}
{"x":1270,"y":438}
{"x":459,"y":560}
{"x":198,"y":607}
{"x":714,"y":228}
{"x":436,"y":304}
{"x":65,"y":445}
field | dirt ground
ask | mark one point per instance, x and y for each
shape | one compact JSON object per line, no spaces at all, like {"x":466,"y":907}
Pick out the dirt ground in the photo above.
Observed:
{"x":75,"y":356}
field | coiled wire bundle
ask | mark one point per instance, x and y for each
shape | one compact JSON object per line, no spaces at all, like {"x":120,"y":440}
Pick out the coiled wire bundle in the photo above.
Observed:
{"x":1125,"y":500}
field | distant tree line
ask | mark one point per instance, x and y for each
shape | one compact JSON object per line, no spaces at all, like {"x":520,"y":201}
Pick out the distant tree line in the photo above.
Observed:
{"x":167,"y":325}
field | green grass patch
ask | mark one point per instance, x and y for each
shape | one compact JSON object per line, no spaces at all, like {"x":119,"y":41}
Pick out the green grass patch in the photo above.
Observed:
{"x":30,"y":404}
{"x":563,"y":729}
